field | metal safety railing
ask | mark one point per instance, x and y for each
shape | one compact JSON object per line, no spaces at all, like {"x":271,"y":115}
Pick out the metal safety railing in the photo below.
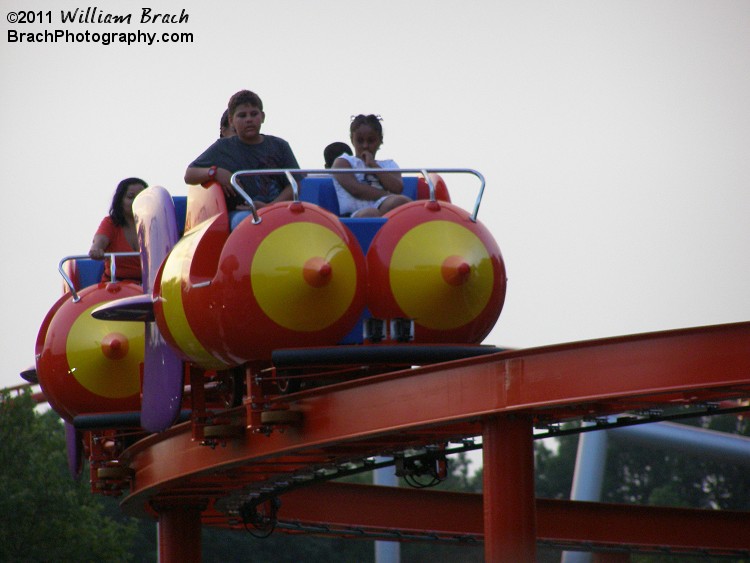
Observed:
{"x":113,"y":267}
{"x":291,"y":173}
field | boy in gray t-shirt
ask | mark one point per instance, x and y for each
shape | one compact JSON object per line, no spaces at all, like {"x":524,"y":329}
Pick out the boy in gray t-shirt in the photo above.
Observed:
{"x":247,"y":150}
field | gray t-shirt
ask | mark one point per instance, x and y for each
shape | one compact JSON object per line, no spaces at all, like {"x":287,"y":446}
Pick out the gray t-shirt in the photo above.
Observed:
{"x":232,"y":154}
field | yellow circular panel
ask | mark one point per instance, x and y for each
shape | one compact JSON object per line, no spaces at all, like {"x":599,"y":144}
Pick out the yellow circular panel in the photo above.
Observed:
{"x":175,"y":269}
{"x":278,"y":277}
{"x":417,"y":281}
{"x":90,"y":366}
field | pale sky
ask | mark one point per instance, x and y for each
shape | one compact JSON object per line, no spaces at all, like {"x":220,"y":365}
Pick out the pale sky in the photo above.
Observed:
{"x":614,"y":137}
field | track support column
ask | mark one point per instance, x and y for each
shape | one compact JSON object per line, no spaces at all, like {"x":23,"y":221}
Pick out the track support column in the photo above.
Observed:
{"x":508,"y":481}
{"x":179,"y":532}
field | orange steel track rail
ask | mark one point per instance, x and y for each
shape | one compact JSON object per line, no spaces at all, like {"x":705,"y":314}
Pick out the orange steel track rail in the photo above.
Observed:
{"x":501,"y":397}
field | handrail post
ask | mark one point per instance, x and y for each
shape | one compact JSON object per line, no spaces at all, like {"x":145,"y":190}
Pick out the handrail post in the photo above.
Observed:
{"x":69,"y":282}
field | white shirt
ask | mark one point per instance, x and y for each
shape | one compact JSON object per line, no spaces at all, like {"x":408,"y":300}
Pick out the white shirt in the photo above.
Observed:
{"x":348,"y":204}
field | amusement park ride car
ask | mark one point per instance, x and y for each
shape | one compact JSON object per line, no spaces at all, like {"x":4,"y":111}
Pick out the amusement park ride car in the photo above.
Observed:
{"x":262,"y":363}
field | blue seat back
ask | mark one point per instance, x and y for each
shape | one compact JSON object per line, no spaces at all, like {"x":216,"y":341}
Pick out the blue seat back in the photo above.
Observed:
{"x":89,"y":272}
{"x":180,"y":210}
{"x":320,"y":191}
{"x":410,"y":186}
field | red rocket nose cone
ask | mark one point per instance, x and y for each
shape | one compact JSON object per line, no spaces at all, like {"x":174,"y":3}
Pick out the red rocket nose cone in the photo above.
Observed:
{"x":317,"y":272}
{"x":455,"y":270}
{"x":115,"y":346}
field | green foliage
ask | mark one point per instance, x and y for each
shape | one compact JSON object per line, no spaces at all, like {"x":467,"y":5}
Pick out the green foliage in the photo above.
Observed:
{"x":460,"y":477}
{"x":225,"y":546}
{"x":554,"y":462}
{"x":652,"y":476}
{"x":44,"y":514}
{"x":660,"y":476}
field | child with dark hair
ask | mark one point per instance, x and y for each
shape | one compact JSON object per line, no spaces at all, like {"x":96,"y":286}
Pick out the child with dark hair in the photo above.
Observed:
{"x":225,"y":130}
{"x":371,"y":194}
{"x":117,"y":233}
{"x":335,"y":150}
{"x":248,"y":149}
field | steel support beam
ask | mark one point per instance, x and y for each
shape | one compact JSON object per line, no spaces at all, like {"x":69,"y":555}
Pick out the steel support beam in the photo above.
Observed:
{"x":598,"y":377}
{"x":451,"y":514}
{"x":509,"y":504}
{"x":179,"y":527}
{"x":496,"y":395}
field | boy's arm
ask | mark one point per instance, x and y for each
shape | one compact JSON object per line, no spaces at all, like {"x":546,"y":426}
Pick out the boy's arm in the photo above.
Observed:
{"x":195,"y":175}
{"x":199,"y":175}
{"x":286,"y":194}
{"x":197,"y":171}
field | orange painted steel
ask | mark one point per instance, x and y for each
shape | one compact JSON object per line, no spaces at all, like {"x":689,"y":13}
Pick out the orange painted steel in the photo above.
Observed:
{"x":180,"y":532}
{"x":508,"y":489}
{"x":448,"y":402}
{"x":460,"y":515}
